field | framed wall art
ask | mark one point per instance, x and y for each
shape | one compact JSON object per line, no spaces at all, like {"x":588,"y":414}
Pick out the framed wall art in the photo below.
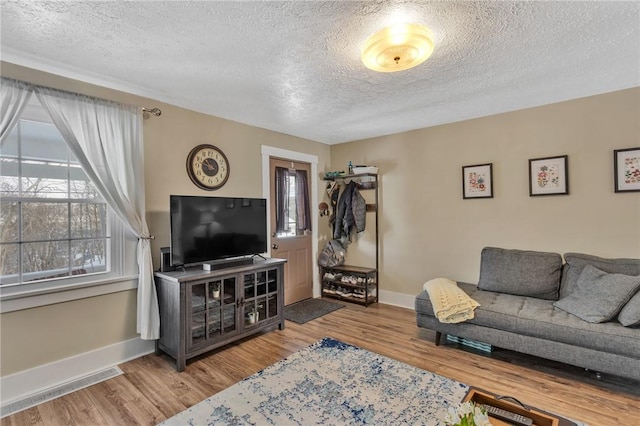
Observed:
{"x":626,"y":166}
{"x":549,"y":176}
{"x":477,"y":181}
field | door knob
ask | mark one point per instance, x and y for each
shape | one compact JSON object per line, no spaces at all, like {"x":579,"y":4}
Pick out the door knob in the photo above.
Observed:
{"x":274,"y":246}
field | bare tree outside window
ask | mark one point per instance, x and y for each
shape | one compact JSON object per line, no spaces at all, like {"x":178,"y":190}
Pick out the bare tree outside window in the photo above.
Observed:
{"x":53,"y":221}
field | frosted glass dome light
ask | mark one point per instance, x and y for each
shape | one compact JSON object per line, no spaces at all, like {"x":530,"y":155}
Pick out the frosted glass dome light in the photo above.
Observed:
{"x":397,"y":48}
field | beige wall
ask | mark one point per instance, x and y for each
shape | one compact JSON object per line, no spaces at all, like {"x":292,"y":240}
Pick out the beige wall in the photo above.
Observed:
{"x":168,"y":140}
{"x":41,"y":335}
{"x":428,"y":230}
{"x":38,"y":336}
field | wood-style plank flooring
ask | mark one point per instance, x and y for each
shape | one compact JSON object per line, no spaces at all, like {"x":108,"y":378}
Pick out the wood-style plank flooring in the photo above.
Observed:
{"x":151,"y":390}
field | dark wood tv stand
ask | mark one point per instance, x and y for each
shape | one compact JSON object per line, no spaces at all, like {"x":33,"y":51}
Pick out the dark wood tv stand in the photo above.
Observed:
{"x":204,"y":310}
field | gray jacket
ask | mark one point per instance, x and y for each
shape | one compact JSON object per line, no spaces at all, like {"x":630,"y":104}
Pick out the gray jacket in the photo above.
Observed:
{"x":351,"y":213}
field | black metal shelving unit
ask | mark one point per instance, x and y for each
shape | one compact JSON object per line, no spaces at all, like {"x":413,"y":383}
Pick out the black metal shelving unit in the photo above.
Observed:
{"x":363,"y":292}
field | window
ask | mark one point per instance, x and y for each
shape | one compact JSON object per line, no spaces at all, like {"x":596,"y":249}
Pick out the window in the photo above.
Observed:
{"x":292,"y":202}
{"x":53,"y":222}
{"x":291,"y":213}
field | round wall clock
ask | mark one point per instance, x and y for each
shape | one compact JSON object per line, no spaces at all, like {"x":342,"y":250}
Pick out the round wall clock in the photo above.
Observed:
{"x":208,"y":167}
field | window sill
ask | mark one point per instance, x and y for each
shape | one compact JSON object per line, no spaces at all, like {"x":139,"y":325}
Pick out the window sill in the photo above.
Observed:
{"x":15,"y":299}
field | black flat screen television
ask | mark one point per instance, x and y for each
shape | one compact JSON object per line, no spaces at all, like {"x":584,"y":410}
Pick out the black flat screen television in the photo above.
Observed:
{"x":212,"y":228}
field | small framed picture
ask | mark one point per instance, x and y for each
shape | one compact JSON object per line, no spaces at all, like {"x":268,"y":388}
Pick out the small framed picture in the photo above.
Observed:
{"x":549,"y":176}
{"x":477,"y":181}
{"x":626,"y":166}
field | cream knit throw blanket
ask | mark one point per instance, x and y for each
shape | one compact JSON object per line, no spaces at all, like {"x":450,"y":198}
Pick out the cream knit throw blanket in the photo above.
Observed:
{"x":450,"y":304}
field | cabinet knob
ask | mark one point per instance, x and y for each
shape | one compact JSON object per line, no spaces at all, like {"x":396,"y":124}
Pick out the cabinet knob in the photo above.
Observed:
{"x":274,"y":246}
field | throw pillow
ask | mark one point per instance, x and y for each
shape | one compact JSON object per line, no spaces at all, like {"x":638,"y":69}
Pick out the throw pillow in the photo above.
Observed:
{"x":576,"y":261}
{"x":630,"y":313}
{"x":599,"y":296}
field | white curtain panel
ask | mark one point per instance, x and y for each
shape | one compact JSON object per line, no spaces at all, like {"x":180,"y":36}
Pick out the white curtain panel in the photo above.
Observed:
{"x":106,"y":138}
{"x":14,"y":96}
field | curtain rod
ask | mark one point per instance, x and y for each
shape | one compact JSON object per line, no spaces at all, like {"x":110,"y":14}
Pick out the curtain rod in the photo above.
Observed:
{"x":147,"y":112}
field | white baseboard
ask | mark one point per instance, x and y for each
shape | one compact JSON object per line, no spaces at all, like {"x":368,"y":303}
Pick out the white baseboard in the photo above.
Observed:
{"x":397,"y":299}
{"x":35,"y":380}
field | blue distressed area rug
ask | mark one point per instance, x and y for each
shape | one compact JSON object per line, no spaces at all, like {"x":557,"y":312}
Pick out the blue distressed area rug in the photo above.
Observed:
{"x":330,"y":383}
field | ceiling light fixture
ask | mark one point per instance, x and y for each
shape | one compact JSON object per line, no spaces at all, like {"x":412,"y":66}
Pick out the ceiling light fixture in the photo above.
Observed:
{"x":397,"y":48}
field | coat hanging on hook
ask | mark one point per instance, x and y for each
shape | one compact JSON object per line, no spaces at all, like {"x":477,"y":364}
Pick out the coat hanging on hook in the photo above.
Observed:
{"x":350,"y":214}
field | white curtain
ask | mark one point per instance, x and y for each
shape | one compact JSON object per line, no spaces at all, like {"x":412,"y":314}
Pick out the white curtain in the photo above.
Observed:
{"x":14,"y":96}
{"x":107,"y":140}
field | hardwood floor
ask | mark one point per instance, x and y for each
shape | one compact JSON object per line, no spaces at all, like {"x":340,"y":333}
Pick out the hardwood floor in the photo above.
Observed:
{"x":151,"y":390}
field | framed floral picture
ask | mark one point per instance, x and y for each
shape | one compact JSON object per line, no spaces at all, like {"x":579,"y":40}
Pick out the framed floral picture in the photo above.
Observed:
{"x":477,"y":181}
{"x":549,"y":176}
{"x":626,"y":166}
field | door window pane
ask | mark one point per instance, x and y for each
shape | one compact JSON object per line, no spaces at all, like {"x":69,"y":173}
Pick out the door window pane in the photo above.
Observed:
{"x":291,"y":202}
{"x":291,"y":211}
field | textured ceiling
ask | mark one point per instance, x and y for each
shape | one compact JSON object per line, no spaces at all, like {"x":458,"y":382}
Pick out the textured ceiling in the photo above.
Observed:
{"x":294,"y":66}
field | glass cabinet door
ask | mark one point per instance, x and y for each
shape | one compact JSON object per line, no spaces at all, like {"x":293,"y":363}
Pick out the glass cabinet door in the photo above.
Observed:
{"x":272,"y":293}
{"x":226,"y":310}
{"x":213,"y":310}
{"x":260,"y":296}
{"x":198,"y":314}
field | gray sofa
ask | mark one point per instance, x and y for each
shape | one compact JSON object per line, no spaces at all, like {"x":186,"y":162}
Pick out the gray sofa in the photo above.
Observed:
{"x":525,"y":302}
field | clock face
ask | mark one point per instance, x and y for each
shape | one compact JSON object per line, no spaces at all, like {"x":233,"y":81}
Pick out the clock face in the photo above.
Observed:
{"x":208,"y":167}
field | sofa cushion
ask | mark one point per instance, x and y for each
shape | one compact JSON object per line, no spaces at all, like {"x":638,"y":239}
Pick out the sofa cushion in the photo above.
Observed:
{"x":599,"y":296}
{"x":576,"y":261}
{"x":539,"y":318}
{"x":630,"y":313}
{"x":520,"y":272}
